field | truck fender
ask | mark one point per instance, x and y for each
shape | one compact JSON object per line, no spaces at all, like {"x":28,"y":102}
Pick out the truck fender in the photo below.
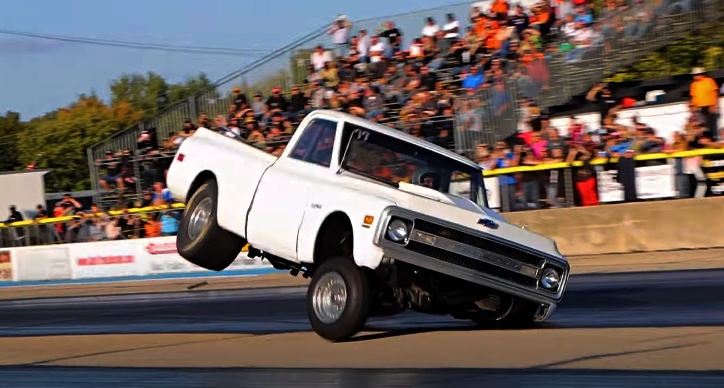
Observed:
{"x":336,"y":234}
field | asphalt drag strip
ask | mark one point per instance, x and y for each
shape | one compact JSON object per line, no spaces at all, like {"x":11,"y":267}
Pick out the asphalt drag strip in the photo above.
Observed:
{"x":665,"y":325}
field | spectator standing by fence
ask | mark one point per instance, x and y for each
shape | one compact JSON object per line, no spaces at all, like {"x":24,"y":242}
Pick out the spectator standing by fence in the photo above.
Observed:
{"x":705,"y":96}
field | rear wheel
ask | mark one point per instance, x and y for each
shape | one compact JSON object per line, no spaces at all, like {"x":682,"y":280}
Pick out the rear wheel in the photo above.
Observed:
{"x":200,"y":240}
{"x":338,"y":299}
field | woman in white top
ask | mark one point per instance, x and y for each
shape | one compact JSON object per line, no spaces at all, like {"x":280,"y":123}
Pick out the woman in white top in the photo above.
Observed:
{"x":452,"y":27}
{"x":431,"y":28}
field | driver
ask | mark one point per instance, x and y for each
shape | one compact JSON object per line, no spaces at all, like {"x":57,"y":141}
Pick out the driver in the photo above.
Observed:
{"x":430,"y":180}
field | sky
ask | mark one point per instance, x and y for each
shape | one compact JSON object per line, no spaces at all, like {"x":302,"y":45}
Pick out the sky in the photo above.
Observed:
{"x":38,"y":75}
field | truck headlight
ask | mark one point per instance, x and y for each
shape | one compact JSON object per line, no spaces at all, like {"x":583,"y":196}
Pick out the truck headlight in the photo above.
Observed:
{"x":398,"y":230}
{"x":550,"y":279}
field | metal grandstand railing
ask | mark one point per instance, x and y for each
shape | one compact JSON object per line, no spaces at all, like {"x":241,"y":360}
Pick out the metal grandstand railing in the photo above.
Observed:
{"x":551,"y":80}
{"x":275,"y":66}
{"x":564,"y":74}
{"x":627,"y":41}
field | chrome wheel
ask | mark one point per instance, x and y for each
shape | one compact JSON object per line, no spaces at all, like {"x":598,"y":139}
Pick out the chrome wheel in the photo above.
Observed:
{"x":330,"y":298}
{"x":199,"y":218}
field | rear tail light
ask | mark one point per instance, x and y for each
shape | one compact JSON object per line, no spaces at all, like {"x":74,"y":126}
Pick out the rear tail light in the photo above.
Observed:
{"x":180,"y":157}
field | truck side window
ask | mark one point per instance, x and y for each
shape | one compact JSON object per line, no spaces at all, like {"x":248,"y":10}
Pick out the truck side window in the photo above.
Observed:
{"x":316,"y":143}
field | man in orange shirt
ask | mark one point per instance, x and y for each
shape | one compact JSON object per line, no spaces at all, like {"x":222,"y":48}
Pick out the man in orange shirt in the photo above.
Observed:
{"x":705,"y":97}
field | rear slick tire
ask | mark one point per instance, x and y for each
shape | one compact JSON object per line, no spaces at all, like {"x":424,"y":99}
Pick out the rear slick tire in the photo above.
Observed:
{"x":338,"y":299}
{"x":200,"y":240}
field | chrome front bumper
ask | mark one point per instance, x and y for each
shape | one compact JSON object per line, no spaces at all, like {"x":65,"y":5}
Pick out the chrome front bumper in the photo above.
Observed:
{"x":508,"y":266}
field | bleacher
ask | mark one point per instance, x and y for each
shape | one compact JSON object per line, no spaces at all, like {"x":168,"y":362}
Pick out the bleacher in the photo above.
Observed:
{"x":566,"y":73}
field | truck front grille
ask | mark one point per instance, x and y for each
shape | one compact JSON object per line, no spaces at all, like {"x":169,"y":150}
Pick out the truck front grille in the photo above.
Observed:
{"x":475,"y":253}
{"x":478,"y":242}
{"x":471,"y":264}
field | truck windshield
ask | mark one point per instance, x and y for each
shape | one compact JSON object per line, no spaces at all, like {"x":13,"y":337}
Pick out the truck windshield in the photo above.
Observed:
{"x":387,"y":159}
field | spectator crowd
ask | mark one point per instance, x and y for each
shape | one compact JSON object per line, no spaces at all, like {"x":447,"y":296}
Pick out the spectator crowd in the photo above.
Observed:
{"x":447,"y":83}
{"x":95,"y":223}
{"x":539,"y":143}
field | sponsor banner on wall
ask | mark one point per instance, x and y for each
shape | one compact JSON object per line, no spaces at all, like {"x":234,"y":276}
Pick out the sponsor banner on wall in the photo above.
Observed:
{"x":609,"y":190}
{"x":651,"y":182}
{"x":107,"y":259}
{"x":163,"y":258}
{"x":43,"y":263}
{"x":655,"y":182}
{"x":6,"y":265}
{"x":492,"y":189}
{"x":243,"y":262}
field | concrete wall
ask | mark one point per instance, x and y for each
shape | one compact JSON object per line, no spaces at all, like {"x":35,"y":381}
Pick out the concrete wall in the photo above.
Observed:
{"x":632,"y":227}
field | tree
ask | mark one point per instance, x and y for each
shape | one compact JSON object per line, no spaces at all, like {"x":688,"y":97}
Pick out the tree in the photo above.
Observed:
{"x":703,"y":48}
{"x":192,"y":86}
{"x":280,"y":78}
{"x":150,"y":93}
{"x":10,"y":127}
{"x":59,"y":141}
{"x":298,"y":65}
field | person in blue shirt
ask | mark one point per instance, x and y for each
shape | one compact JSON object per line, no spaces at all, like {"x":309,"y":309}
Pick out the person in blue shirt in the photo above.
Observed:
{"x":583,"y":16}
{"x":169,"y":219}
{"x":503,"y":158}
{"x":474,"y":79}
{"x":621,"y":144}
{"x":161,"y":195}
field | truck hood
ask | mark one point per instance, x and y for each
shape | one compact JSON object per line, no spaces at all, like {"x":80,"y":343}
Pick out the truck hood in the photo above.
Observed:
{"x":464,"y":212}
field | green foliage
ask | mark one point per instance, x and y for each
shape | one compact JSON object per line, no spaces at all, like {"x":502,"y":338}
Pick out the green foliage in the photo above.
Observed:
{"x":58,"y":140}
{"x":280,"y":78}
{"x":10,"y":126}
{"x":60,"y":143}
{"x":704,"y":48}
{"x":190,"y":87}
{"x":298,"y":65}
{"x":150,"y":93}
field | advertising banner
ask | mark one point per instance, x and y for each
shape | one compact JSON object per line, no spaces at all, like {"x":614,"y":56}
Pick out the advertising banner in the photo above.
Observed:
{"x":609,"y":190}
{"x":655,"y":182}
{"x":107,"y":259}
{"x":492,"y":189}
{"x":163,"y":258}
{"x":43,"y":263}
{"x":651,"y":182}
{"x":6,"y":266}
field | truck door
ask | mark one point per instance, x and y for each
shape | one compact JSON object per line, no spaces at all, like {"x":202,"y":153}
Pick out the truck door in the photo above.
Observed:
{"x":283,"y":194}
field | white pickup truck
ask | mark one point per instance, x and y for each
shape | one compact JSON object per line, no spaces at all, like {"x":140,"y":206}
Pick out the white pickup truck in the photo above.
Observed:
{"x":380,"y":220}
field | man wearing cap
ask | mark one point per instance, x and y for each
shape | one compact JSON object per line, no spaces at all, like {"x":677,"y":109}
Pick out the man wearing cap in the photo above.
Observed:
{"x":277,"y":103}
{"x":340,"y":34}
{"x":15,"y":216}
{"x":704,"y":94}
{"x":240,"y":100}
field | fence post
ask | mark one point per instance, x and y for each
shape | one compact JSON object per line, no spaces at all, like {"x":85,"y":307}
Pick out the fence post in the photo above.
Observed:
{"x":94,"y":175}
{"x":570,"y":187}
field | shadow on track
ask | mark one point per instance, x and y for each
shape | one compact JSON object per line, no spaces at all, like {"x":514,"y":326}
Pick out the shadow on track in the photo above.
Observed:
{"x":663,"y":299}
{"x":62,"y":377}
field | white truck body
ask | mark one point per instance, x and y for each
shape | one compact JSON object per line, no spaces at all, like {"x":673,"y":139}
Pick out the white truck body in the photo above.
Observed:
{"x":278,"y":205}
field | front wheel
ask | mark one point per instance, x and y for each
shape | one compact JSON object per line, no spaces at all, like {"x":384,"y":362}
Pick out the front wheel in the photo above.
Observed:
{"x":200,"y":240}
{"x":338,"y":299}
